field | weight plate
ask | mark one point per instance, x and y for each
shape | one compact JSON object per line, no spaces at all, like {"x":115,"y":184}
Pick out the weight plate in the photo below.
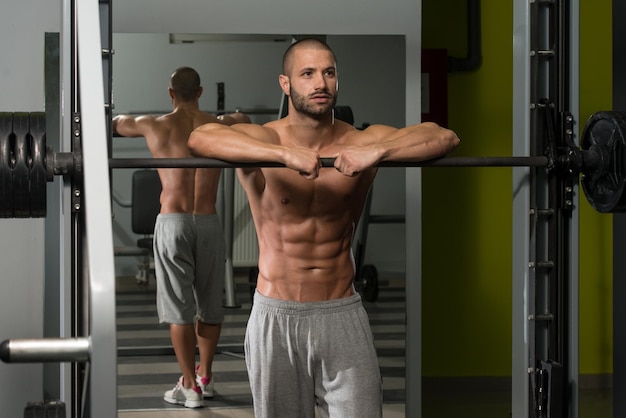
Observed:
{"x":6,"y":174}
{"x":46,"y":409}
{"x":21,"y":192}
{"x":369,"y":282}
{"x":253,"y":275}
{"x":38,"y":167}
{"x":604,"y":187}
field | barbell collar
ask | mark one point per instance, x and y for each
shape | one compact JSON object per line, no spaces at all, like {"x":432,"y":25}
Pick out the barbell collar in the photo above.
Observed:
{"x":62,"y":163}
{"x":595,"y":160}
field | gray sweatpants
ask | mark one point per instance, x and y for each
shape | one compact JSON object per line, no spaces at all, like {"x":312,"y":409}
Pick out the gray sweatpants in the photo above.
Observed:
{"x":300,"y":355}
{"x":189,"y":261}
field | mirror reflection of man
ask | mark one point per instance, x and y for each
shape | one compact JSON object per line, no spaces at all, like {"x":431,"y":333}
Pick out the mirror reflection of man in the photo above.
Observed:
{"x":189,"y":246}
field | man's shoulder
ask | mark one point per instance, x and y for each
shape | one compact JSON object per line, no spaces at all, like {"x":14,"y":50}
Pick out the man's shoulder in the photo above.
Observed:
{"x":165,"y":118}
{"x":179,"y":118}
{"x":274,"y":124}
{"x":200,"y":118}
{"x":206,"y":116}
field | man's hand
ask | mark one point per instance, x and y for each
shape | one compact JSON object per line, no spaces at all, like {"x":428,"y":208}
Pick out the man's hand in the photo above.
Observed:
{"x":305,"y":161}
{"x":353,"y":160}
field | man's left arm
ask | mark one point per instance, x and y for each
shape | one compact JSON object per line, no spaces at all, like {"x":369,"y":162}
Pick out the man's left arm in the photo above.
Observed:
{"x":421,"y":142}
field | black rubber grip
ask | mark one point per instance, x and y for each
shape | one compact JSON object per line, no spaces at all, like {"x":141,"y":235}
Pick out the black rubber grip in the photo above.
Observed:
{"x":5,"y":352}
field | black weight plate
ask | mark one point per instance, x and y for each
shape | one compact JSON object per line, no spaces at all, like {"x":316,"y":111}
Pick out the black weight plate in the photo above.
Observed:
{"x":253,"y":275}
{"x":38,"y":165}
{"x":21,"y":186}
{"x":47,"y":409}
{"x":604,"y":188}
{"x":369,"y":282}
{"x":6,"y":173}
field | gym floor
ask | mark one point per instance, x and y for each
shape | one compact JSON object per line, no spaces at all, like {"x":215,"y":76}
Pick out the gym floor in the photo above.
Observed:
{"x":142,"y":379}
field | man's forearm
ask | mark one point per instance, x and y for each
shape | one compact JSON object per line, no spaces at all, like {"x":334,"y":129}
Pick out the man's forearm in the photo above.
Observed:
{"x":228,"y":144}
{"x":418,"y":143}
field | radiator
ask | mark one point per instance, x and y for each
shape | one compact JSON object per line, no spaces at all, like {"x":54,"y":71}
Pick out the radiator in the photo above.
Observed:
{"x":245,"y":246}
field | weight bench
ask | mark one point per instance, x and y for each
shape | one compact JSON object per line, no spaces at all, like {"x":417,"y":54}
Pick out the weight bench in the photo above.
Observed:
{"x":146,"y":193}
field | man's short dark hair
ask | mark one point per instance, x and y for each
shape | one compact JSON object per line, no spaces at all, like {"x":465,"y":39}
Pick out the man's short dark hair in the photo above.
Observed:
{"x":185,"y":82}
{"x":312,"y":43}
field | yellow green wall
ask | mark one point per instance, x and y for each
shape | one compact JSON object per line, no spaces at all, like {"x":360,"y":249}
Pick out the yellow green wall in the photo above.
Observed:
{"x":468,"y":211}
{"x":596,"y":230}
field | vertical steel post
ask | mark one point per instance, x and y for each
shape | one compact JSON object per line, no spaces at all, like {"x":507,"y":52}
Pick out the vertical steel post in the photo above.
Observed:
{"x":521,"y":344}
{"x":545,"y":233}
{"x":228,"y":175}
{"x":619,"y":222}
{"x":57,"y":302}
{"x":572,"y":246}
{"x":97,"y":214}
{"x":413,"y":227}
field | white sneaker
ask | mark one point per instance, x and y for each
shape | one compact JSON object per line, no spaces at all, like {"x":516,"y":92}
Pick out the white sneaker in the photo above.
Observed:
{"x":206,"y":385}
{"x":190,"y":398}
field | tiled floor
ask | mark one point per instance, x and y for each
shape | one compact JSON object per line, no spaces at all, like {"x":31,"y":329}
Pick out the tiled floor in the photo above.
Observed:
{"x":389,"y":411}
{"x":147,"y":367}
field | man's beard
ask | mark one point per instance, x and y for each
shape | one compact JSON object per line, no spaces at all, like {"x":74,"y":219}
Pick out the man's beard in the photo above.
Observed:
{"x":315,"y":111}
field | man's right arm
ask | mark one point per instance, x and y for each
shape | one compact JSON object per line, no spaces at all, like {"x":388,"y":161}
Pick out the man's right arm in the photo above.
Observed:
{"x":250,"y":143}
{"x":253,"y":143}
{"x":131,"y":126}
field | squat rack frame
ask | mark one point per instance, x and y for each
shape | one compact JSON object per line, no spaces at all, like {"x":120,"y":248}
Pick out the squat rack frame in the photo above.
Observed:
{"x":538,"y":73}
{"x":545,"y":212}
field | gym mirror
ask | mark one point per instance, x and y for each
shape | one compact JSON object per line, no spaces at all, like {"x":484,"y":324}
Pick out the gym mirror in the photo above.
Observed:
{"x":372,"y":77}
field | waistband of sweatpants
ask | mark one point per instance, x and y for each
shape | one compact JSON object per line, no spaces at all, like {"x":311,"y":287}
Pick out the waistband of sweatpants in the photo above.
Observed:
{"x":290,"y":307}
{"x":206,"y":217}
{"x":174,"y":216}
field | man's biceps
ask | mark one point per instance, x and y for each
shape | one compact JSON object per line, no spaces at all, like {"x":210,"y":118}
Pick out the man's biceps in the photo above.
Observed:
{"x":255,"y":132}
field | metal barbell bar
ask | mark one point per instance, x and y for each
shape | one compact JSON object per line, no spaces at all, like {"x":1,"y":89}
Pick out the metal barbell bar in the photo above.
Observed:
{"x":602,"y":162}
{"x":329,"y":162}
